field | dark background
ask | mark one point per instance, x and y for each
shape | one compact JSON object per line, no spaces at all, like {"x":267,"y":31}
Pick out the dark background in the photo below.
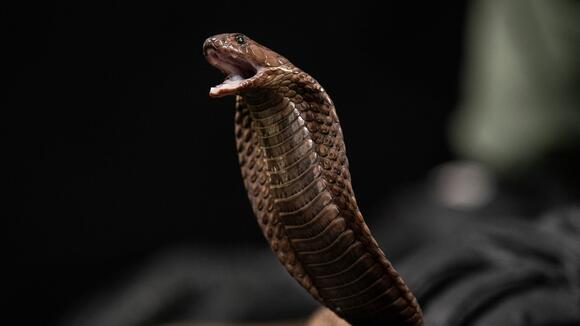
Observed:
{"x":115,"y":151}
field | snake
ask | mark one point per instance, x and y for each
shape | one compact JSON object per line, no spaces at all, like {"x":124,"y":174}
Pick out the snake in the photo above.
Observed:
{"x":295,"y":170}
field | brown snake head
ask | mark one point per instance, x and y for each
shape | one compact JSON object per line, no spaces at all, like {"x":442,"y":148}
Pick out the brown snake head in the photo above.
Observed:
{"x":246,"y":63}
{"x":295,"y":170}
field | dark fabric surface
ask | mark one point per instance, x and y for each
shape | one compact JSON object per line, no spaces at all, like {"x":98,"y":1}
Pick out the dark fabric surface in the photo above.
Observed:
{"x":485,"y":266}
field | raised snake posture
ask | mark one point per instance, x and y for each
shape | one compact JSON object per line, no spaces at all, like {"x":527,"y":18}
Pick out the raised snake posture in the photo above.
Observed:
{"x":293,"y":161}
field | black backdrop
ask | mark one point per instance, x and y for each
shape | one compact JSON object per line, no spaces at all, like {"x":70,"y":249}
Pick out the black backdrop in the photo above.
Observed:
{"x":116,"y":151}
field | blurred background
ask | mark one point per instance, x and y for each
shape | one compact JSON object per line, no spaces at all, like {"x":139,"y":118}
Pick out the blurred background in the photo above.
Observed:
{"x":116,"y":155}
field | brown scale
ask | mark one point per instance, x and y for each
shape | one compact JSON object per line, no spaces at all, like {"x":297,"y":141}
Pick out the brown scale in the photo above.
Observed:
{"x":368,"y":284}
{"x":293,"y":162}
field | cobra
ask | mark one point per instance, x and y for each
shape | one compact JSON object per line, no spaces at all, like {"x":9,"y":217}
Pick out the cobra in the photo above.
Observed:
{"x":295,"y":170}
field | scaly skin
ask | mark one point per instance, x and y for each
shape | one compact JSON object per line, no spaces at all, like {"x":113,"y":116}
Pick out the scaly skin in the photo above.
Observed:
{"x":293,"y":162}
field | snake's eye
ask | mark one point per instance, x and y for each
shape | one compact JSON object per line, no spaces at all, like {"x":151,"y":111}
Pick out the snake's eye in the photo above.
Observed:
{"x":240,"y":39}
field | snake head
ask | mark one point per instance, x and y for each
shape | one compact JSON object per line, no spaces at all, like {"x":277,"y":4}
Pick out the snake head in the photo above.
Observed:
{"x":246,"y":64}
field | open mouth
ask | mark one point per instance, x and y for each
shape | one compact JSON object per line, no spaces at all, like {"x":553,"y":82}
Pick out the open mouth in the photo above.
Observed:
{"x":237,"y":71}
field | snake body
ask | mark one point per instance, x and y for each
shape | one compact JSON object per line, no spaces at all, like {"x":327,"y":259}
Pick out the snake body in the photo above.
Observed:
{"x":295,"y":170}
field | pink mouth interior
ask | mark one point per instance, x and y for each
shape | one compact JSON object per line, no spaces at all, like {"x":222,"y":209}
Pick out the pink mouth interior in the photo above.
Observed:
{"x":237,"y":71}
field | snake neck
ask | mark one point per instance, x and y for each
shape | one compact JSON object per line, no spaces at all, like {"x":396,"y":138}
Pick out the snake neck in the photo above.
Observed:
{"x":285,"y":141}
{"x":294,"y":166}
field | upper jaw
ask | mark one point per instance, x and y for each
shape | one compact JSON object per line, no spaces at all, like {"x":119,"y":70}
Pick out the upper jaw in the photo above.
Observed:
{"x":239,"y":73}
